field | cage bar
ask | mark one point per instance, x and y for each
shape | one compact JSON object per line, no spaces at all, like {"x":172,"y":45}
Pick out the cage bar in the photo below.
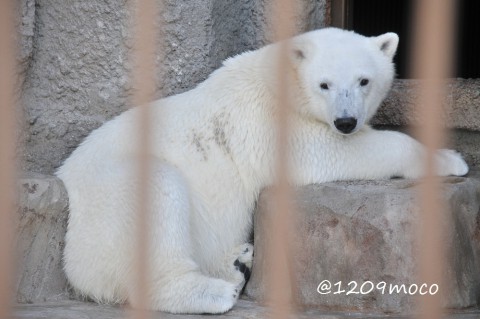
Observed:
{"x":7,"y":155}
{"x":144,"y":88}
{"x":433,"y":64}
{"x":280,"y":209}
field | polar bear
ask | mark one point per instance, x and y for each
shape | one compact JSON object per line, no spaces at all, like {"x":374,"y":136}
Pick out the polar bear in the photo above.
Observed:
{"x":212,"y":153}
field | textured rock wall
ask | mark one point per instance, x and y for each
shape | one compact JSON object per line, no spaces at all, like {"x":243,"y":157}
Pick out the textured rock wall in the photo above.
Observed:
{"x":74,"y":60}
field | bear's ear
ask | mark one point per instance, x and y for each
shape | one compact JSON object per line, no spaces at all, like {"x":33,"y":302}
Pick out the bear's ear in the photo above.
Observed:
{"x":387,"y":43}
{"x":298,"y":54}
{"x":299,"y":50}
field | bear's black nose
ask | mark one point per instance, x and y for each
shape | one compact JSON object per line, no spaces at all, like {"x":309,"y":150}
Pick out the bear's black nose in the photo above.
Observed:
{"x":345,"y":124}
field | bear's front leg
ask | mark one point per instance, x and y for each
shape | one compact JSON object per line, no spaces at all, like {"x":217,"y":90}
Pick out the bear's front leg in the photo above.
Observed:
{"x":450,"y":162}
{"x":370,"y":154}
{"x":384,"y":154}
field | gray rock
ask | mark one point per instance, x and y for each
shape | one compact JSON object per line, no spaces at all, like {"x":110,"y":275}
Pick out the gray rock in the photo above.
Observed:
{"x":25,"y":26}
{"x":77,"y":77}
{"x":364,"y":231}
{"x":40,"y":234}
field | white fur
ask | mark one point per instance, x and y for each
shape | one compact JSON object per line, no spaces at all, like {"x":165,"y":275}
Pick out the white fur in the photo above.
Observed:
{"x":212,"y":153}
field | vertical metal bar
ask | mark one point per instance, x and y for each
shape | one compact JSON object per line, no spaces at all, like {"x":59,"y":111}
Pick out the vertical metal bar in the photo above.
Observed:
{"x":144,"y":86}
{"x":7,"y":153}
{"x":432,"y":63}
{"x":279,"y":281}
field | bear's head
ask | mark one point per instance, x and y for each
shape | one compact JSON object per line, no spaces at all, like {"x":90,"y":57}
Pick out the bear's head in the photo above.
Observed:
{"x":343,"y":76}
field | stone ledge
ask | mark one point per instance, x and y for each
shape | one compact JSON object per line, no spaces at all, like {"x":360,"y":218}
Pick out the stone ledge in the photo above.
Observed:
{"x":344,"y":228}
{"x":364,"y":231}
{"x":463,"y":100}
{"x":243,"y":309}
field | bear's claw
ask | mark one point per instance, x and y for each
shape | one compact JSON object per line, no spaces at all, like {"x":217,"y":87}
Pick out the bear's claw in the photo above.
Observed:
{"x":244,"y":269}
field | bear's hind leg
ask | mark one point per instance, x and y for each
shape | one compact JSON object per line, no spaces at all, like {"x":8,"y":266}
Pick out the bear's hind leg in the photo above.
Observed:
{"x":176,"y":283}
{"x":191,"y":292}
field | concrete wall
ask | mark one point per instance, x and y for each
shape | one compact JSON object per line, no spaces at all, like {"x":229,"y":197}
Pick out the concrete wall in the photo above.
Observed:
{"x":74,"y":61}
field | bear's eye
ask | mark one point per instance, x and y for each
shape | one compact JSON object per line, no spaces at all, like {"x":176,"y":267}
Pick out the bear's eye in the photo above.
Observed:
{"x":324,"y":86}
{"x":364,"y":82}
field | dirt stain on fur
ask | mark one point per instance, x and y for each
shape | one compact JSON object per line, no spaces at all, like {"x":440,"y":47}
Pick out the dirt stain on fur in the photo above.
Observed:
{"x":197,"y":141}
{"x":220,"y":122}
{"x":216,"y":135}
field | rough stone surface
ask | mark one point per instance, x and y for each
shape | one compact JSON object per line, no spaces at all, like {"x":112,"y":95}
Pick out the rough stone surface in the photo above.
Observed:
{"x":76,"y":60}
{"x":40,"y":233}
{"x":364,"y":231}
{"x":243,"y":309}
{"x":25,"y":25}
{"x":76,"y":78}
